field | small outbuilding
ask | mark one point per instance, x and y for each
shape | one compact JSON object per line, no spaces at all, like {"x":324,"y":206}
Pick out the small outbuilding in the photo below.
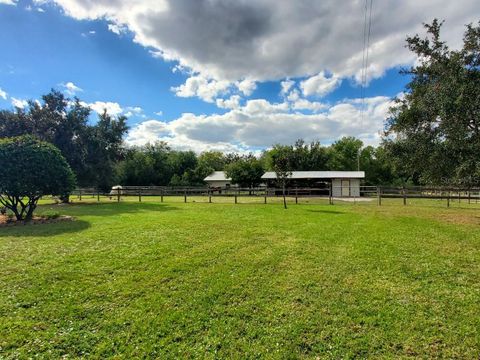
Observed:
{"x":343,"y":183}
{"x":218,"y":179}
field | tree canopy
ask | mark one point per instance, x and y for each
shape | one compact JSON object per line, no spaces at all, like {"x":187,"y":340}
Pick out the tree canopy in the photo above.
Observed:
{"x":30,"y":169}
{"x":433,"y":133}
{"x":90,"y":149}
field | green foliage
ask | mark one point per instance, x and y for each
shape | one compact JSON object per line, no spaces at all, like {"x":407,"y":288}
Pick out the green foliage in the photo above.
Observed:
{"x":433,"y":134}
{"x":31,"y":169}
{"x":246,"y":172}
{"x":90,"y":150}
{"x":344,"y":154}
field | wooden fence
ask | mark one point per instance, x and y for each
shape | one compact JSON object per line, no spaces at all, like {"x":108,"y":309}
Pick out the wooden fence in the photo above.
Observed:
{"x":365,"y":192}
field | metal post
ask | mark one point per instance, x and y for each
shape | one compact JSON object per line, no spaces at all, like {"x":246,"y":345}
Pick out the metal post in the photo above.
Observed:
{"x":330,"y":194}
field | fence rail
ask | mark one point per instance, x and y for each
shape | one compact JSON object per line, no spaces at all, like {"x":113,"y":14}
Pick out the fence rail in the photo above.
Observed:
{"x":363,"y":192}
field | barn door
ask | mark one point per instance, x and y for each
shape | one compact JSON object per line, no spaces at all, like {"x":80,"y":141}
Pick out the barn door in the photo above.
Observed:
{"x":345,"y":188}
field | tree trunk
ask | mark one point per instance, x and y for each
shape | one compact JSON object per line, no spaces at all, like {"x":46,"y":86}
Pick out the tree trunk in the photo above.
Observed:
{"x":65,"y":199}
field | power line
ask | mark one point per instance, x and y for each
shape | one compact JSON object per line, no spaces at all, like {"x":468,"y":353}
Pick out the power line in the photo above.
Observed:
{"x":365,"y":55}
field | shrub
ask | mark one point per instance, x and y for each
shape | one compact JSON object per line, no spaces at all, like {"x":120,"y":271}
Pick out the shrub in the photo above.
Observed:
{"x":31,"y":169}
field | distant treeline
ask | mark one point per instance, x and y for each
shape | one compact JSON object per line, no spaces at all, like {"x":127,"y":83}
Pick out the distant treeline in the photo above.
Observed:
{"x":158,"y":164}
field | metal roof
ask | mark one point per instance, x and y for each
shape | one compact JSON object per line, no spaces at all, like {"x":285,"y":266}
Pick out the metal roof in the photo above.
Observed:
{"x":319,"y":175}
{"x":217,"y":176}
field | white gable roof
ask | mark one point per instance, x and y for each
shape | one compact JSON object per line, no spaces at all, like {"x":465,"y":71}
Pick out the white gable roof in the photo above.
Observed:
{"x":319,"y":175}
{"x":217,"y":176}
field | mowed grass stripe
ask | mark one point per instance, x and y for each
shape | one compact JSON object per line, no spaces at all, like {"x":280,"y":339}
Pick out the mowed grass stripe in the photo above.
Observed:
{"x":194,"y":280}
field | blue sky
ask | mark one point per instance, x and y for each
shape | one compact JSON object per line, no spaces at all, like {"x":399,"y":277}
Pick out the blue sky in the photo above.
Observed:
{"x":160,"y":71}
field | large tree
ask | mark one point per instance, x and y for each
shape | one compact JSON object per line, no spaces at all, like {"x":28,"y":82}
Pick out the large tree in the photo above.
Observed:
{"x":246,"y":172}
{"x":89,"y":148}
{"x":30,"y":169}
{"x":433,"y":134}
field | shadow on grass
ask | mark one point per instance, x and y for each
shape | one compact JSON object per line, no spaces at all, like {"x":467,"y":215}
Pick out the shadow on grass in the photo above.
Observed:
{"x":106,"y":209}
{"x":43,"y":230}
{"x":335,"y":212}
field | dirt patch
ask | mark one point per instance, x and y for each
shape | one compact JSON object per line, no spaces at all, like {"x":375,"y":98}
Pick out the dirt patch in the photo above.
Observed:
{"x":6,"y":221}
{"x":459,"y":218}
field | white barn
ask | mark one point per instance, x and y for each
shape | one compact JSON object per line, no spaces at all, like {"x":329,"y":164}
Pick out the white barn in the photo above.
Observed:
{"x":344,"y":183}
{"x":218,"y":179}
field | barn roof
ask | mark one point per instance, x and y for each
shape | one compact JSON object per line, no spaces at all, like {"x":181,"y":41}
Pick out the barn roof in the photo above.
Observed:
{"x":217,"y":176}
{"x":319,"y":175}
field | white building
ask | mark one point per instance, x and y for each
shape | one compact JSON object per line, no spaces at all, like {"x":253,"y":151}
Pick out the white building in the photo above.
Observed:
{"x":218,"y":179}
{"x":344,"y":183}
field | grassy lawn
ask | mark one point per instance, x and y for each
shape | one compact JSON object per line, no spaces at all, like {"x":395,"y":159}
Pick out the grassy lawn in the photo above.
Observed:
{"x":199,"y":280}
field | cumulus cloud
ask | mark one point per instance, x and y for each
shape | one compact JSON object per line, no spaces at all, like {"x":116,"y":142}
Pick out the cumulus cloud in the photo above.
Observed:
{"x":286,"y":85}
{"x":259,"y":124}
{"x":270,"y":39}
{"x":112,"y":108}
{"x":3,"y":94}
{"x":19,"y":103}
{"x":205,"y":89}
{"x":320,"y":84}
{"x":231,"y":103}
{"x":71,"y":89}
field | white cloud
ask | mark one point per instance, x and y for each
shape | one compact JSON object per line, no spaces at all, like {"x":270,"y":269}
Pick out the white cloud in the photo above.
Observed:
{"x":3,"y":94}
{"x":320,"y":84}
{"x":159,"y":113}
{"x":259,"y":124}
{"x":71,"y":89}
{"x":117,"y":29}
{"x":272,"y":40}
{"x":304,"y":104}
{"x":134,"y":111}
{"x":286,"y":86}
{"x":232,"y":103}
{"x":246,"y":86}
{"x":19,"y":103}
{"x":205,"y":89}
{"x":113,"y":108}
{"x":9,"y":2}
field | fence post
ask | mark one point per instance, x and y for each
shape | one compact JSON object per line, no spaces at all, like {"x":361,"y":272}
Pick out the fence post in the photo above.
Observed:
{"x":379,"y":196}
{"x":118,"y":195}
{"x":296,"y":195}
{"x":80,"y":194}
{"x":404,"y":195}
{"x":161,"y":195}
{"x":469,"y":196}
{"x":209,"y":196}
{"x":140,"y":195}
{"x":185,"y":195}
{"x":330,"y":194}
{"x":448,"y":198}
{"x":235,"y":197}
